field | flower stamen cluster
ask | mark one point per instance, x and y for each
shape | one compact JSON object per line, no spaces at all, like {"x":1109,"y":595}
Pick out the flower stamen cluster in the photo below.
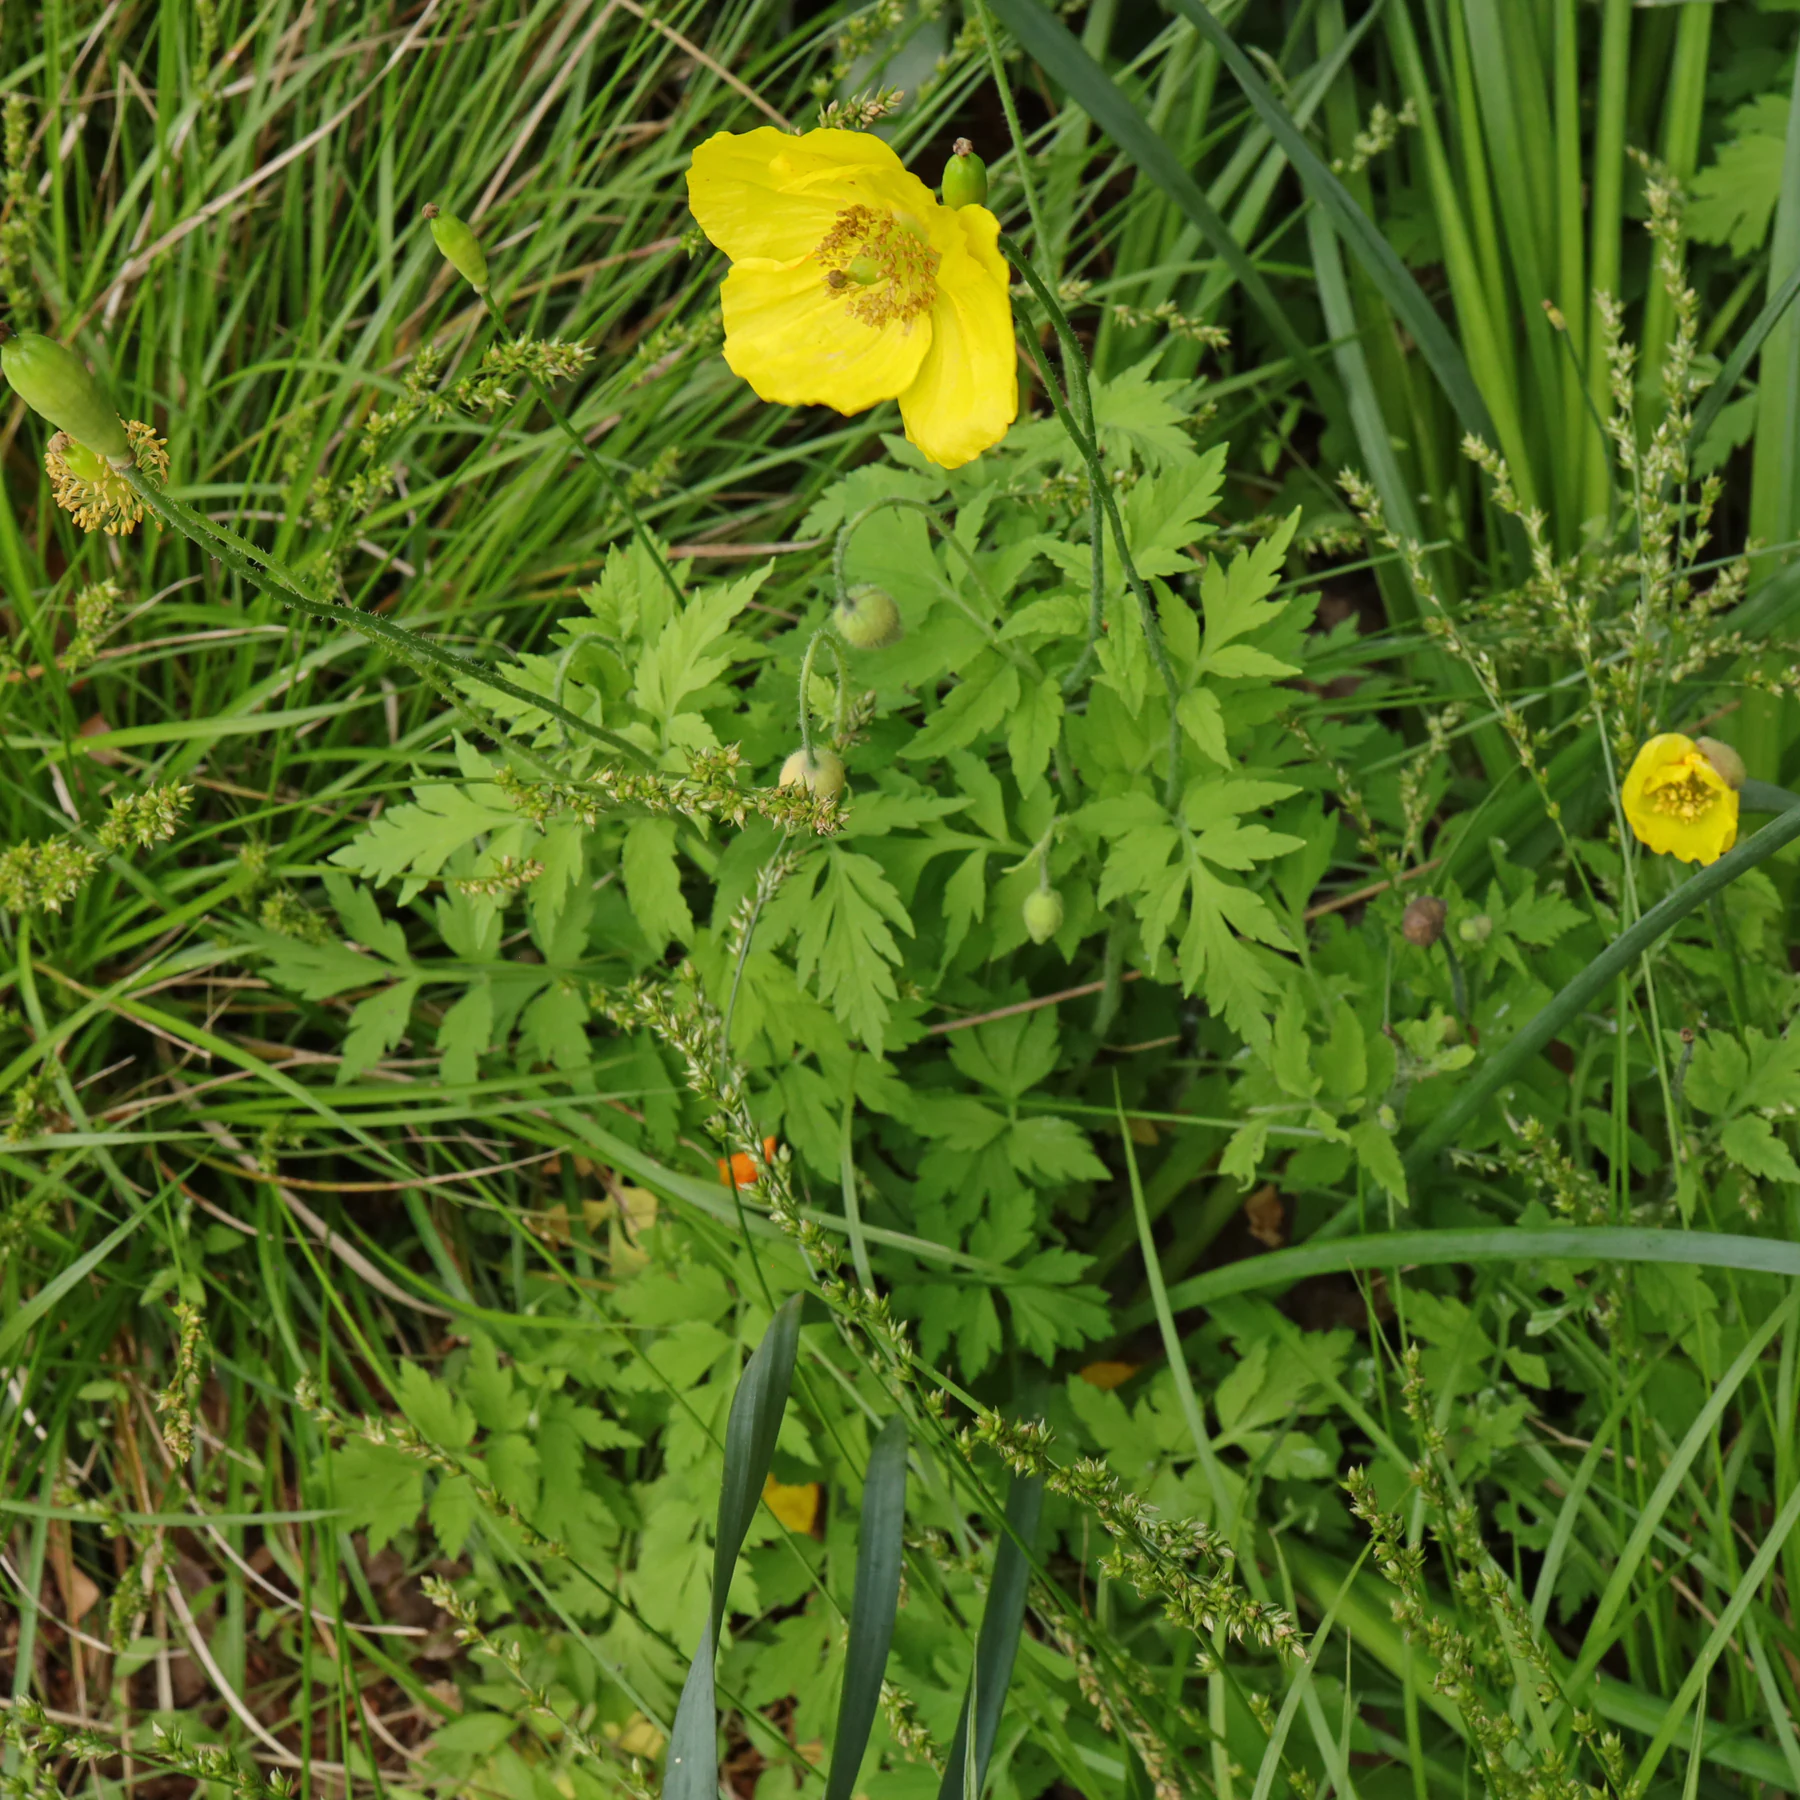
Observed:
{"x":883,"y":264}
{"x":95,"y":494}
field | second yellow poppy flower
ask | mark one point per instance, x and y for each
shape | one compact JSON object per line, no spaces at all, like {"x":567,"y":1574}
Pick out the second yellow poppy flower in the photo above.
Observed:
{"x":1678,"y":802}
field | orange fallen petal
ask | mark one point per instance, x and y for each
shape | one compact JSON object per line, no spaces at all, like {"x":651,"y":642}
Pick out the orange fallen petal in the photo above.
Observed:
{"x":740,"y":1170}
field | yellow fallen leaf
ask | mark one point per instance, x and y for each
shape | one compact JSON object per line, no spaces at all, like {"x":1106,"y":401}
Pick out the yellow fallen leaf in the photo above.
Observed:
{"x":796,"y":1507}
{"x":1109,"y":1375}
{"x":640,"y":1738}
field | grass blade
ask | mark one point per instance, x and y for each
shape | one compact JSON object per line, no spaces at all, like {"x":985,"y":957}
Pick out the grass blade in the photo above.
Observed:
{"x":750,"y":1433}
{"x":1510,"y":1243}
{"x":1699,"y":1436}
{"x":1739,"y":360}
{"x":872,"y":1612}
{"x":1694,"y":1687}
{"x":1370,"y":248}
{"x":1001,"y":1622}
{"x":1059,"y":54}
{"x":52,"y":1291}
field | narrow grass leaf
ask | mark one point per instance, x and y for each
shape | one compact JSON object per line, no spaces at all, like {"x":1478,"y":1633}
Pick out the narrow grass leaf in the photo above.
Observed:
{"x":1059,"y":54}
{"x":1001,"y":1622}
{"x":1270,"y":1766}
{"x":1371,"y":249}
{"x":878,"y":1554}
{"x":1732,"y":371}
{"x":52,"y":1291}
{"x":750,"y":1433}
{"x":1700,"y":1434}
{"x":1693,"y":1689}
{"x":1510,"y":1244}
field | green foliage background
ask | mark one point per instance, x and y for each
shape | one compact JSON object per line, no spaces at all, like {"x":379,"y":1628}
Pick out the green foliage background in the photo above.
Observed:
{"x":1405,"y":1420}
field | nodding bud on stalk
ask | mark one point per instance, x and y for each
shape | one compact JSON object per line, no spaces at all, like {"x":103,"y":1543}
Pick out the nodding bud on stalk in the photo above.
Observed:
{"x":1423,"y":921}
{"x":965,"y":177}
{"x":461,"y":248}
{"x":820,"y":772}
{"x":53,"y":381}
{"x":867,"y":618}
{"x":1043,"y":914}
{"x":1723,"y":758}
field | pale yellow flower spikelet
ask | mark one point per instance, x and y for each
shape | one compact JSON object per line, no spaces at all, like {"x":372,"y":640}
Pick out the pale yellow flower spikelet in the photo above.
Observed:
{"x":1679,"y":802}
{"x":87,"y":487}
{"x":851,"y":284}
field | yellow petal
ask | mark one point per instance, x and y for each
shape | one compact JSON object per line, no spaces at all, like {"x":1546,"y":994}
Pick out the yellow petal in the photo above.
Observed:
{"x":796,"y":1506}
{"x":795,"y":341}
{"x":967,"y":390}
{"x":1656,"y":755}
{"x":764,"y":194}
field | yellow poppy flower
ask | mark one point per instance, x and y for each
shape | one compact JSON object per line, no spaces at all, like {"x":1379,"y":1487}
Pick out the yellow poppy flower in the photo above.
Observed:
{"x":1678,"y":803}
{"x":850,"y":284}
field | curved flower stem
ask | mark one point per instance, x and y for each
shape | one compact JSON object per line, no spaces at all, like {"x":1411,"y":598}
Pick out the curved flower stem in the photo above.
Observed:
{"x":592,"y":458}
{"x":273,"y":578}
{"x":1613,"y":960}
{"x":1081,"y":404}
{"x":1019,"y":659}
{"x":806,"y":663}
{"x":1102,"y":491}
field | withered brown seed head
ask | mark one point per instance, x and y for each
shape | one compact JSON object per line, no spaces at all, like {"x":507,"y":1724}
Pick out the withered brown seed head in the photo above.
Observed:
{"x":1423,"y":921}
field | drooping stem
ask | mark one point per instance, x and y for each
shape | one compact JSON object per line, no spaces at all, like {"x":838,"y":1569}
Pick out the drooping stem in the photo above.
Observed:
{"x":614,"y":487}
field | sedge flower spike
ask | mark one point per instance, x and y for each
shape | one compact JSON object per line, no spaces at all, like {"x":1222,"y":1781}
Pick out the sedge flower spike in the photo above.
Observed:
{"x":850,"y":284}
{"x":1679,"y":802}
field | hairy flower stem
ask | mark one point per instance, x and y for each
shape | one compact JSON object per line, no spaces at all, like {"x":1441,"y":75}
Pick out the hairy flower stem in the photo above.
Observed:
{"x":1021,"y":153}
{"x":591,"y":457}
{"x":264,"y":573}
{"x":1159,"y":654}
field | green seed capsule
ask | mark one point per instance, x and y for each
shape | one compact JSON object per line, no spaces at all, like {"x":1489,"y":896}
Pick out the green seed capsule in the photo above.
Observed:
{"x":54,"y":381}
{"x":1043,"y":914}
{"x":821,"y":773}
{"x":868,"y":619}
{"x":462,"y":250}
{"x":965,"y":177}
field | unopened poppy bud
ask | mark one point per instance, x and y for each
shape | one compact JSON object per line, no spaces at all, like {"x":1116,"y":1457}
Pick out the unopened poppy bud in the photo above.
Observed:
{"x":867,"y":618}
{"x":1043,"y":914}
{"x":462,"y":250}
{"x":53,"y":381}
{"x":965,"y":177}
{"x":1423,"y":921}
{"x":1723,"y":758}
{"x":820,"y":772}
